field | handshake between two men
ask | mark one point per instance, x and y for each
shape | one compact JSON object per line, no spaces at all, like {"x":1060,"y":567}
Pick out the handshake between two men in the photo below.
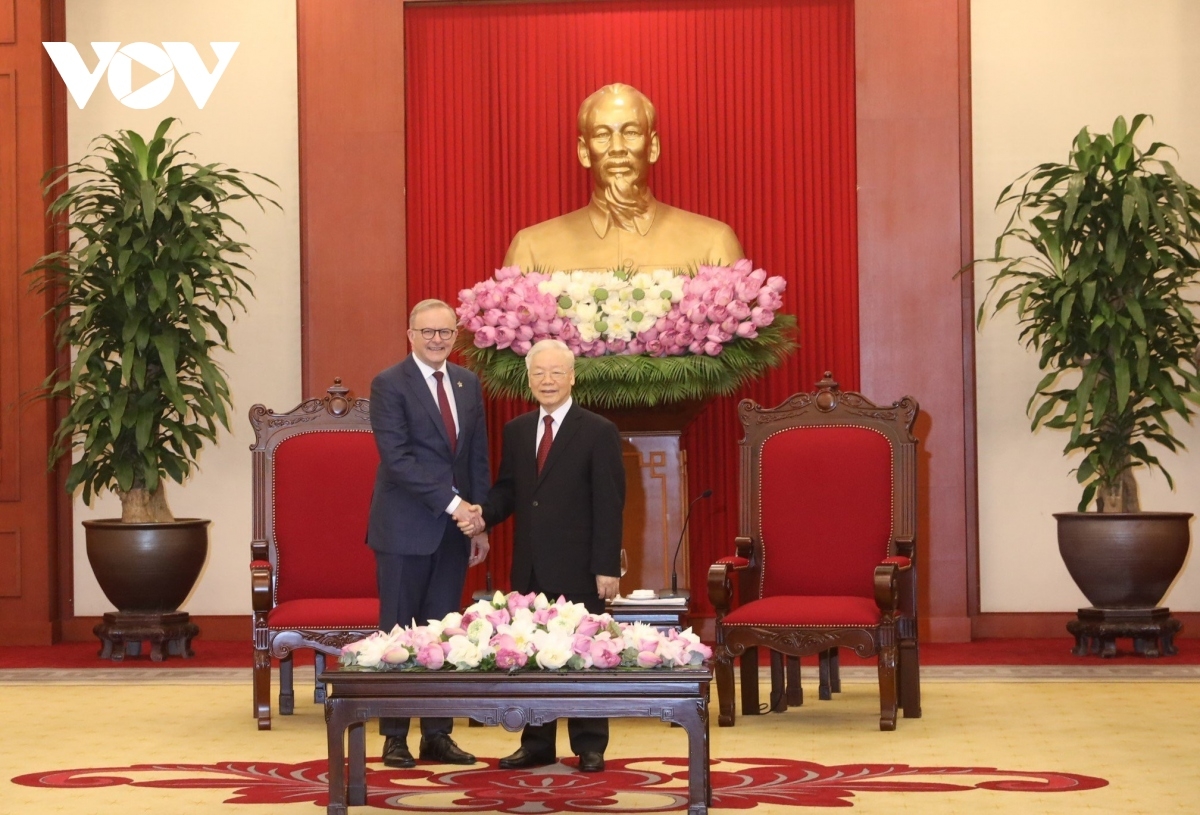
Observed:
{"x":470,"y":521}
{"x":469,"y":518}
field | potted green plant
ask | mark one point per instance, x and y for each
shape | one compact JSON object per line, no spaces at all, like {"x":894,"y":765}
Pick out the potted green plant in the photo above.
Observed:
{"x":142,"y":294}
{"x":1101,"y":293}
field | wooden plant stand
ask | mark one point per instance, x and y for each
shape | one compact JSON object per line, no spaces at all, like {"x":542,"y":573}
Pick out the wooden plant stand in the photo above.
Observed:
{"x":169,"y":633}
{"x":1097,"y":629}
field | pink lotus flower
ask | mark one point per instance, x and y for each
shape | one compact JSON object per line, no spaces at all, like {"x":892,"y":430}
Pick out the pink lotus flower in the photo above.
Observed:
{"x":516,"y":601}
{"x":485,"y":337}
{"x":739,"y":310}
{"x":606,"y":653}
{"x":713,"y":349}
{"x":581,"y":644}
{"x":648,"y":659}
{"x":747,"y":330}
{"x":509,"y":659}
{"x":504,"y":336}
{"x":761,"y":317}
{"x":588,"y":626}
{"x":431,"y":656}
{"x":499,"y":617}
{"x":545,"y":615}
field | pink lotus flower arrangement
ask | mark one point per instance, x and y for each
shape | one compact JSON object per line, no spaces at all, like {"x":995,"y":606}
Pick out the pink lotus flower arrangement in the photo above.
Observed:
{"x":525,"y":632}
{"x":657,"y":313}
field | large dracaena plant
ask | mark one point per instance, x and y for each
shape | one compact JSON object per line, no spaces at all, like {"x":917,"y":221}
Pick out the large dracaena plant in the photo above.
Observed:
{"x":142,"y":294}
{"x":1104,"y":300}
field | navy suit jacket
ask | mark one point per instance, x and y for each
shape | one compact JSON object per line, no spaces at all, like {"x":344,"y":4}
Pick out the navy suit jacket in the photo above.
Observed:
{"x":569,"y":518}
{"x":417,"y":476}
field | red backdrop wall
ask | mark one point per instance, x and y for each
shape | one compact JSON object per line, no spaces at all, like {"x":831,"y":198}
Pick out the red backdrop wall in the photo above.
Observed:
{"x":491,"y":97}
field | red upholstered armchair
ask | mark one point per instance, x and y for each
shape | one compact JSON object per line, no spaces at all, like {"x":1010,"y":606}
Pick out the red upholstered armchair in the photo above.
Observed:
{"x":312,"y":575}
{"x":826,"y":552}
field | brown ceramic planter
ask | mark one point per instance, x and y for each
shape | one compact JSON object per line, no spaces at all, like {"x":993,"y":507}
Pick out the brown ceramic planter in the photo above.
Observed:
{"x":147,"y":567}
{"x":1123,"y":559}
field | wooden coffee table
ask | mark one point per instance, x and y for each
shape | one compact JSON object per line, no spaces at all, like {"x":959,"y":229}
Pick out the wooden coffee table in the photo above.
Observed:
{"x":512,"y":701}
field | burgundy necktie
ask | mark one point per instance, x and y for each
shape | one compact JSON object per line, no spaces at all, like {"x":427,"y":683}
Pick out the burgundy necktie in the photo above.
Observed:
{"x":544,"y":444}
{"x":447,"y":416}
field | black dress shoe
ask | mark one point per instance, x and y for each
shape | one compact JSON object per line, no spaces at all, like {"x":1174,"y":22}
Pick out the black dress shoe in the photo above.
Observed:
{"x":395,"y":753}
{"x":442,"y":749}
{"x":522,"y":759}
{"x":591,"y":762}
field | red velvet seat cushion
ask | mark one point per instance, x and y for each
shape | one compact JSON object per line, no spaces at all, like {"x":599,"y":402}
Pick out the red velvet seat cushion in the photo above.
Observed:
{"x":356,"y":612}
{"x":322,"y":495}
{"x":826,"y":510}
{"x":811,"y":611}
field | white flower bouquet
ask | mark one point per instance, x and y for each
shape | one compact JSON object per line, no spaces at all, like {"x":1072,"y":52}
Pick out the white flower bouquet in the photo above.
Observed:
{"x":525,"y":632}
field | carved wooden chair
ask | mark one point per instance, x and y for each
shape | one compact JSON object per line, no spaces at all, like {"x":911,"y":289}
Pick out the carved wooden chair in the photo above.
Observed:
{"x":826,"y":549}
{"x":312,"y":575}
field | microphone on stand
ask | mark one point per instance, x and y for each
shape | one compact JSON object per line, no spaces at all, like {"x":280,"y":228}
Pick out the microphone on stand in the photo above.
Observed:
{"x":679,"y":545}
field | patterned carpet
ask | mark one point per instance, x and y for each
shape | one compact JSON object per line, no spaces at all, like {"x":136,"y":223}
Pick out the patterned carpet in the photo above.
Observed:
{"x":1026,"y":739}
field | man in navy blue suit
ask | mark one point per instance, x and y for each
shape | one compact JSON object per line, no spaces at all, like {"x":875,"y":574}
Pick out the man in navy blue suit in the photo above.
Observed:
{"x":427,"y":416}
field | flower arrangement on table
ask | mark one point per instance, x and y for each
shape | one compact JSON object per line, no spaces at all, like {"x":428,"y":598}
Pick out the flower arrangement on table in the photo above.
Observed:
{"x":641,"y":338}
{"x":524,"y":631}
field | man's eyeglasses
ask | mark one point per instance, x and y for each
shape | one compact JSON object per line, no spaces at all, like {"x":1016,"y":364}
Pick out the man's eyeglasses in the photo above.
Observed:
{"x":441,"y":333}
{"x":557,"y":376}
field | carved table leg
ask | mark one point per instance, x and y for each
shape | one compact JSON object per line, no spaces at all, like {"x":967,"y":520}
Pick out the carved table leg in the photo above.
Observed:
{"x":335,"y":727}
{"x":357,"y":790}
{"x":692,"y":714}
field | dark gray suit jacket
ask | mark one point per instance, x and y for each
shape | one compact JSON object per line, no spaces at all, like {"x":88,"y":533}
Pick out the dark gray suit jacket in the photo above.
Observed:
{"x":568,"y":519}
{"x":417,"y":476}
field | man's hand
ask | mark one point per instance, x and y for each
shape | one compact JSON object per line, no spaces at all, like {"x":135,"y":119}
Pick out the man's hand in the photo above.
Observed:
{"x":479,"y":549}
{"x":469,"y":518}
{"x":607,"y":587}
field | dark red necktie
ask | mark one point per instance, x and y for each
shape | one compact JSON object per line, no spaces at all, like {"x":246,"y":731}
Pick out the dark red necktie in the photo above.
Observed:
{"x":544,"y":444}
{"x":447,"y":416}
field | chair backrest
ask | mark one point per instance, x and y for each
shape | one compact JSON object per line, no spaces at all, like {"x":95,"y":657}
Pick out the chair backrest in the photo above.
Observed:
{"x":314,"y":471}
{"x":828,"y":490}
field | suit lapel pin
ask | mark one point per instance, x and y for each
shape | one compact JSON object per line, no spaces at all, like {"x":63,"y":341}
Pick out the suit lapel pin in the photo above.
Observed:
{"x":459,"y":383}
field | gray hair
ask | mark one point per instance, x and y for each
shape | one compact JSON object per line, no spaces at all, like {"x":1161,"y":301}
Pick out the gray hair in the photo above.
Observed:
{"x":616,"y":88}
{"x":548,"y":345}
{"x":426,"y":305}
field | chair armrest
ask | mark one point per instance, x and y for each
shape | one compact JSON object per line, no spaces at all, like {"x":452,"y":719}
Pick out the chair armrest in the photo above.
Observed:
{"x":720,"y":589}
{"x":260,"y":585}
{"x":744,"y":547}
{"x":899,"y":561}
{"x":887,"y":595}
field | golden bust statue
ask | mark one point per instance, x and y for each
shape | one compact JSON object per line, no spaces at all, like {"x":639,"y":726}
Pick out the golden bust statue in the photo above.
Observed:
{"x":623,"y":226}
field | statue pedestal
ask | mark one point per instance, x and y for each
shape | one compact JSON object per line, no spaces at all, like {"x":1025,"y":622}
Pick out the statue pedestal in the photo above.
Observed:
{"x":656,"y":492}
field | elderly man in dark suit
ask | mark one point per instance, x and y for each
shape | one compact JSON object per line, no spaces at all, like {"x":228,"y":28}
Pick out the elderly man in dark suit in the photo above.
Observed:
{"x":562,"y":476}
{"x":427,"y":416}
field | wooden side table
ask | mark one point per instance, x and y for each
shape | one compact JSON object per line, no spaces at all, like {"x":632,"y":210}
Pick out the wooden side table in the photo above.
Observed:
{"x":513,"y":701}
{"x":660,"y":614}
